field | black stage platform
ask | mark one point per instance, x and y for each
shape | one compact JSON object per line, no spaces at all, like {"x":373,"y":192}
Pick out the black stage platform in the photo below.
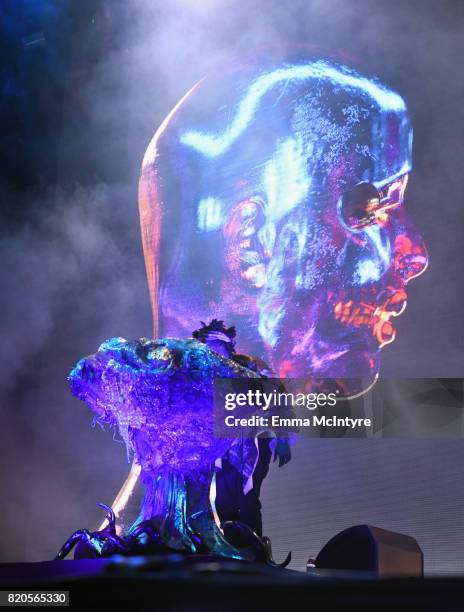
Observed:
{"x":179,"y":583}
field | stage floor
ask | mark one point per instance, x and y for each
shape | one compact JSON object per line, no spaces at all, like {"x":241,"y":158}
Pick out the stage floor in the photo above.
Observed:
{"x":176,"y":583}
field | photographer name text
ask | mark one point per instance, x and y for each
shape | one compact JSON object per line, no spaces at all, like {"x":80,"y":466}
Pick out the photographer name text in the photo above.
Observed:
{"x":313,"y":420}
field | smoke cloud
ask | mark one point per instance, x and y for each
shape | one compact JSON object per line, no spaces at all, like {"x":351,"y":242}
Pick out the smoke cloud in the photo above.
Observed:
{"x":73,"y":274}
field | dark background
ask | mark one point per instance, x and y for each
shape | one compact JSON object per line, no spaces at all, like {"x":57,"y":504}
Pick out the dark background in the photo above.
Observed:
{"x":83,"y":87}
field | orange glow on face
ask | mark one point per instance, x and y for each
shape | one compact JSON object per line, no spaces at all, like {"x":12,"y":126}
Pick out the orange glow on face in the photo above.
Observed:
{"x":376,"y":318}
{"x":410,"y":259}
{"x":353,"y":314}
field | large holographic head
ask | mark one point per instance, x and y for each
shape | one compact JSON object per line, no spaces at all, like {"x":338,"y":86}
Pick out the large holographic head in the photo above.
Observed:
{"x":273,"y":197}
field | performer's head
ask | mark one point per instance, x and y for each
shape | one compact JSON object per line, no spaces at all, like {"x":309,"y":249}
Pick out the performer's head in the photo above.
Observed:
{"x":274,"y":198}
{"x":217,"y":336}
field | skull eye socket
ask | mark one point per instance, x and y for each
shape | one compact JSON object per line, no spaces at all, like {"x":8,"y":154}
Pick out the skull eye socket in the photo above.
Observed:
{"x":358,"y":207}
{"x":364,"y":204}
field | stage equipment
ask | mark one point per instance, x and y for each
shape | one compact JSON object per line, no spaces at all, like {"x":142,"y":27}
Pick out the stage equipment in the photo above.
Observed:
{"x":367,"y":548}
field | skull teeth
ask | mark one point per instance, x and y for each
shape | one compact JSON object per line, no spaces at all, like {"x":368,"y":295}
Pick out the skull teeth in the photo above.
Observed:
{"x":353,"y":314}
{"x":366,"y":315}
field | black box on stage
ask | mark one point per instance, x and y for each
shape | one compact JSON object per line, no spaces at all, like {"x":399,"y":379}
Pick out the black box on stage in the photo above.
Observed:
{"x":367,"y":548}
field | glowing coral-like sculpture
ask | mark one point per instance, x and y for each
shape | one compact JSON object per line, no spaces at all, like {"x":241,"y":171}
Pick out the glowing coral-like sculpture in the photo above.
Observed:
{"x":158,"y":394}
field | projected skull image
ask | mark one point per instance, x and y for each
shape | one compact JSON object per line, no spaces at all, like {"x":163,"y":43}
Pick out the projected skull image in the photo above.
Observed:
{"x":273,"y":198}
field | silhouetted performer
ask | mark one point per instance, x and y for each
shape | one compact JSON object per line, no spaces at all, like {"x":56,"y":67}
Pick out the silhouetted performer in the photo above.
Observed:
{"x":240,"y":473}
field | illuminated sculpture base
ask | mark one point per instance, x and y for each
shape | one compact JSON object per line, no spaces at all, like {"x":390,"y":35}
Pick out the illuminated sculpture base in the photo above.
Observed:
{"x":158,"y":394}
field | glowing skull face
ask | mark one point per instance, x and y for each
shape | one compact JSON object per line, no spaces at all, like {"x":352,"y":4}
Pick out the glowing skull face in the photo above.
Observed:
{"x":273,"y":199}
